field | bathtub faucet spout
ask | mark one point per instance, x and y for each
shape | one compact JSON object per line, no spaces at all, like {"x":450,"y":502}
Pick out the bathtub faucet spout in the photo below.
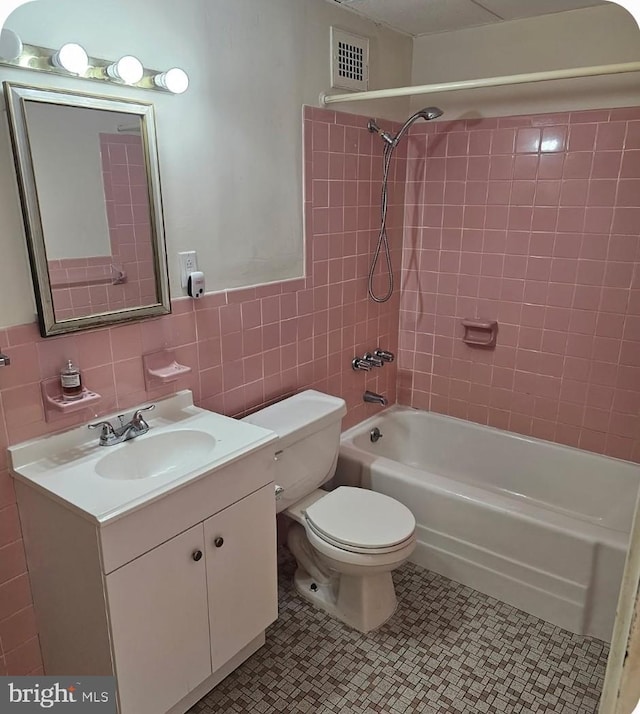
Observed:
{"x":373,"y":398}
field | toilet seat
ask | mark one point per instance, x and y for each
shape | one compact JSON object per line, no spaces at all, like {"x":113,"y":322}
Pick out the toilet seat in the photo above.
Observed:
{"x":357,"y":520}
{"x":359,"y":550}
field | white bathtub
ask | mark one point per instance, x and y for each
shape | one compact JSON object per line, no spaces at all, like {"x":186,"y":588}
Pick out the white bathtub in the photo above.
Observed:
{"x":537,"y":525}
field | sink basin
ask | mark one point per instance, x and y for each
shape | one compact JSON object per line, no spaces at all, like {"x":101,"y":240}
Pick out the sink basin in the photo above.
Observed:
{"x":185,"y":443}
{"x":153,"y":455}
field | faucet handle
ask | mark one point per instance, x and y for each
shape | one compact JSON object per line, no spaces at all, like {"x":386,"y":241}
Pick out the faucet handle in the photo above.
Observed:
{"x":137,"y":418}
{"x":107,"y":434}
{"x":151,"y":407}
{"x":359,"y":363}
{"x":384,"y":355}
{"x":373,"y":359}
{"x":107,"y":427}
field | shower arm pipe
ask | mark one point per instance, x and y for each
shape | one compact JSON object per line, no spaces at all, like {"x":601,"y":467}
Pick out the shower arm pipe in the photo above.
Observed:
{"x":482,"y":83}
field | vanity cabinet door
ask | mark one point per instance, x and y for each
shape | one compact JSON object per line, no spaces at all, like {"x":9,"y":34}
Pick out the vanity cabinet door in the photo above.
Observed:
{"x":241,"y":573}
{"x":160,"y":624}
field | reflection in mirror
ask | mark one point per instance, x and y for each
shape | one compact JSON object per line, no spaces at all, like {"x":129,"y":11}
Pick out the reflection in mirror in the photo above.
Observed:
{"x":90,"y":191}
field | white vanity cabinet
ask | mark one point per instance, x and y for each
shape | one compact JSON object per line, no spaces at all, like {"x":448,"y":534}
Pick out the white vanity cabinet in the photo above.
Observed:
{"x":240,"y":547}
{"x":166,"y":582}
{"x":183,"y":610}
{"x":160,"y":624}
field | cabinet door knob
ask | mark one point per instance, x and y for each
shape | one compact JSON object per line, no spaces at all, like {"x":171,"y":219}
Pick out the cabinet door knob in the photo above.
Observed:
{"x":197,"y":554}
{"x":219,"y":542}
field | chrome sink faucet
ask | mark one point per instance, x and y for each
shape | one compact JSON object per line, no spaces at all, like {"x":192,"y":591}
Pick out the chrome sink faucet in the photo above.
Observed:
{"x":110,"y":435}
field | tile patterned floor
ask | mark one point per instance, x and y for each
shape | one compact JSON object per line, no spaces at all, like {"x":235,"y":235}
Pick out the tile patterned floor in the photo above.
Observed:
{"x":447,"y":650}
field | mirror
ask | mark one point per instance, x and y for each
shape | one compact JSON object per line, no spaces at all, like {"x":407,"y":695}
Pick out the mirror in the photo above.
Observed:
{"x":89,"y":185}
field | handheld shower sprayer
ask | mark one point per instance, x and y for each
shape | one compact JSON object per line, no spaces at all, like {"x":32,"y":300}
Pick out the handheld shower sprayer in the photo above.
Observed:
{"x":428,"y":113}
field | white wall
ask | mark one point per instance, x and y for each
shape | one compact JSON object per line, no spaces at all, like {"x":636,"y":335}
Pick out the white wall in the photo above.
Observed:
{"x":592,"y":36}
{"x":231,"y":147}
{"x":65,"y":144}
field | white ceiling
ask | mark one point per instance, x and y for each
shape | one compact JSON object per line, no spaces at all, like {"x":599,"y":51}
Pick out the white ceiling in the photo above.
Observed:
{"x":426,"y":17}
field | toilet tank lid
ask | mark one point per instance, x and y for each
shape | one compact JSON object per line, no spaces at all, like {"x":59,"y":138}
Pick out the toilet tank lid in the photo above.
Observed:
{"x":300,"y":414}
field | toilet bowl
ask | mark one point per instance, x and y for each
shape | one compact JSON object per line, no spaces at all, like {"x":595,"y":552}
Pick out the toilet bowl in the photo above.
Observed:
{"x":346,"y":542}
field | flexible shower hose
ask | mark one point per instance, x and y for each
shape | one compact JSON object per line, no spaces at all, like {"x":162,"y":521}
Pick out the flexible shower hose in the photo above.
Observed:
{"x":383,"y":240}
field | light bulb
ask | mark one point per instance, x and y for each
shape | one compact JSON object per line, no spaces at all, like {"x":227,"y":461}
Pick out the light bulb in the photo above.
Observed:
{"x":72,"y":58}
{"x":127,"y":69}
{"x":175,"y":80}
{"x":10,"y":45}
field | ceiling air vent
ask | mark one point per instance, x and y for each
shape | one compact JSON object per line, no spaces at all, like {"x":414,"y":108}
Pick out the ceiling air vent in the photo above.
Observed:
{"x":349,"y":60}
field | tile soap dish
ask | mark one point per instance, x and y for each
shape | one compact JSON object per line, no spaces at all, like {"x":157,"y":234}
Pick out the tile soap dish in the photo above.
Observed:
{"x":480,"y":333}
{"x":56,"y":405}
{"x":161,"y":368}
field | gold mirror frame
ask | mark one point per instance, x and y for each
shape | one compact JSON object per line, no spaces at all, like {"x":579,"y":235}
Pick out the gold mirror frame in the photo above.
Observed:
{"x":16,"y":96}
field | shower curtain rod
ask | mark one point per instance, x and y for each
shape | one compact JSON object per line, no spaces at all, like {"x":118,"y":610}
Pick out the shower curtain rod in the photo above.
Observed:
{"x":480,"y":83}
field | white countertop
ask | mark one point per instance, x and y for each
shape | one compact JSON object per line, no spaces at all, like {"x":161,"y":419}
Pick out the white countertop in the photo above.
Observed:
{"x":63,"y":465}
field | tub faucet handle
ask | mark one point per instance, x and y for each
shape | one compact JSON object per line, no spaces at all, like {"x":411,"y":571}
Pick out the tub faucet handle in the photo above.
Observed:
{"x":374,"y":360}
{"x":359,"y":363}
{"x":384,"y":355}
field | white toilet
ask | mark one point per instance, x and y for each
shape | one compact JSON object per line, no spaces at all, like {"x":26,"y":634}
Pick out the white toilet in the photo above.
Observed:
{"x":347,"y":541}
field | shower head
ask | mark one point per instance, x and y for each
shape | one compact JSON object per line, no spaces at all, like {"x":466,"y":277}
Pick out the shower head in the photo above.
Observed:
{"x":428,"y":113}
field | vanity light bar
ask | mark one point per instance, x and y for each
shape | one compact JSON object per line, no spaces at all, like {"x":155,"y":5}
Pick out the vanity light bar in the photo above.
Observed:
{"x":71,"y":60}
{"x":127,"y":69}
{"x":174,"y":80}
{"x":10,"y":44}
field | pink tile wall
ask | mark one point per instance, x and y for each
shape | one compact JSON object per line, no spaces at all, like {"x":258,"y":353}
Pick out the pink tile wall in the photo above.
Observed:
{"x":246,"y":347}
{"x":533,"y":221}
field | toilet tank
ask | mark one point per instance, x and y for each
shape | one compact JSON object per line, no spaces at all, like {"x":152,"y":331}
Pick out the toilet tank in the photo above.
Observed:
{"x":308,"y":425}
